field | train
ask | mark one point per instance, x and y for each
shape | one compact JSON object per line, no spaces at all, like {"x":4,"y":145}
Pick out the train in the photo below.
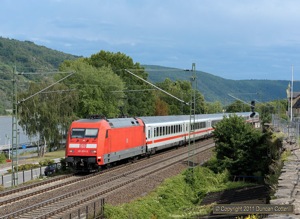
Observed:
{"x":96,"y":142}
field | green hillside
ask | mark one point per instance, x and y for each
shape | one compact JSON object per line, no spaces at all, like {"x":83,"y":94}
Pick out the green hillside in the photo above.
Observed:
{"x":219,"y":89}
{"x":27,"y":57}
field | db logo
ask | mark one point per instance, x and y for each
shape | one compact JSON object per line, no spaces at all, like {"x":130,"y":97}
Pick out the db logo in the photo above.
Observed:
{"x":82,"y":146}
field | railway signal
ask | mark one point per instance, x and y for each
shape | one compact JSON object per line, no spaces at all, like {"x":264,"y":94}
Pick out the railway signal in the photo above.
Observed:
{"x":252,"y":109}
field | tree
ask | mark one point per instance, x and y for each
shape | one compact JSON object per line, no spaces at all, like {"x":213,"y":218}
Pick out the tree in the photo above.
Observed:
{"x":89,"y":91}
{"x":215,"y":107}
{"x":48,"y":114}
{"x":240,"y":148}
{"x":100,"y":90}
{"x":161,"y":108}
{"x":266,"y":110}
{"x":183,"y":91}
{"x":139,"y":100}
{"x":237,"y":106}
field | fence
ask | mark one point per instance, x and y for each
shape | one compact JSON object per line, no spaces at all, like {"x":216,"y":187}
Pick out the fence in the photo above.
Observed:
{"x":24,"y":175}
{"x":289,"y":128}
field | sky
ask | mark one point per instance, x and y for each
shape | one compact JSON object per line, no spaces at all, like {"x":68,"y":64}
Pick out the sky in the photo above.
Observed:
{"x":232,"y":39}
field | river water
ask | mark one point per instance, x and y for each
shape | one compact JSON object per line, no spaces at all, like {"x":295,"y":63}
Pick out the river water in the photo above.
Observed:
{"x":6,"y":132}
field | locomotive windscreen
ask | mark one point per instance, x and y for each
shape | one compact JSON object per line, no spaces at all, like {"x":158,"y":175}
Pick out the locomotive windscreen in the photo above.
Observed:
{"x":84,"y":133}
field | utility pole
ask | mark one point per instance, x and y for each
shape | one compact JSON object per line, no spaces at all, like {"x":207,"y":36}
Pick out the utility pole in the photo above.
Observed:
{"x":191,"y":151}
{"x":14,"y":139}
{"x":192,"y":104}
{"x":15,"y":132}
{"x":292,"y":87}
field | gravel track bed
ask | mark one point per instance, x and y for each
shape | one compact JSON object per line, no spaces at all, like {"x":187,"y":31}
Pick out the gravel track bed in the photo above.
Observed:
{"x":128,"y":193}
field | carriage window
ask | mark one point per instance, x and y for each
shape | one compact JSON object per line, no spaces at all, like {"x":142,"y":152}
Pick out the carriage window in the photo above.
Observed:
{"x":192,"y":125}
{"x":155,"y":132}
{"x":202,"y":124}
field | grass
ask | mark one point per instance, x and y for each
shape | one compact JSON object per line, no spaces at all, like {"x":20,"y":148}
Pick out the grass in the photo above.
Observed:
{"x":48,"y":156}
{"x":177,"y":197}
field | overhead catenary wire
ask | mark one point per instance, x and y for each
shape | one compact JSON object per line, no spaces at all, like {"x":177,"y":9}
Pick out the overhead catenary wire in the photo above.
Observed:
{"x":58,"y":91}
{"x":156,"y":87}
{"x":46,"y":87}
{"x":119,"y":91}
{"x":43,"y":73}
{"x":239,"y":99}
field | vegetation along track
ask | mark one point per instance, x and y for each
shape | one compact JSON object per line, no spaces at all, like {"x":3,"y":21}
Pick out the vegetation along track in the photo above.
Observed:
{"x":72,"y":192}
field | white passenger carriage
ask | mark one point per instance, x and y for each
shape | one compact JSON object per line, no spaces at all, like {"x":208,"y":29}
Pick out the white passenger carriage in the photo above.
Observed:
{"x":168,"y":131}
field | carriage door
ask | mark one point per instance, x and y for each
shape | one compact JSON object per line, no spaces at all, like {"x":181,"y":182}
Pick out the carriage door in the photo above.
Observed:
{"x":149,"y":134}
{"x":107,"y":147}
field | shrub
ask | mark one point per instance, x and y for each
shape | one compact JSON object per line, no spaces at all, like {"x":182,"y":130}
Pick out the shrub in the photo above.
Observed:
{"x":63,"y":164}
{"x":46,"y":162}
{"x":177,"y":197}
{"x":2,"y":158}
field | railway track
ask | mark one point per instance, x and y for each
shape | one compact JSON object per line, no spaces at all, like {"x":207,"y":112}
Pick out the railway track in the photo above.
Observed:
{"x":57,"y":197}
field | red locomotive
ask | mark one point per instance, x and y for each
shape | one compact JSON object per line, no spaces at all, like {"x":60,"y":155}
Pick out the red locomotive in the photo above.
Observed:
{"x":95,"y":142}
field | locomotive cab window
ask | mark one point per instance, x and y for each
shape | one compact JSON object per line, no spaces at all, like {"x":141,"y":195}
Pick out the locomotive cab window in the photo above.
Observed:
{"x":77,"y":133}
{"x":91,"y":133}
{"x":84,"y":133}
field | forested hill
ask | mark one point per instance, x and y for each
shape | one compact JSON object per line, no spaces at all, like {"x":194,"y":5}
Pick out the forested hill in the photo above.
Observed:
{"x":26,"y":56}
{"x":219,"y":89}
{"x":29,"y":57}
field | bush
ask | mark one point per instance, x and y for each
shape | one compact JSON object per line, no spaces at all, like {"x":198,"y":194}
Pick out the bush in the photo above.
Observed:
{"x":46,"y":162}
{"x":27,"y":167}
{"x":2,"y":158}
{"x":177,"y":197}
{"x":31,"y":166}
{"x":63,"y":164}
{"x":238,"y":144}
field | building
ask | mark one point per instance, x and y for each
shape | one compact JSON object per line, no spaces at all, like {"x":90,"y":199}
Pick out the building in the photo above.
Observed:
{"x":293,"y":103}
